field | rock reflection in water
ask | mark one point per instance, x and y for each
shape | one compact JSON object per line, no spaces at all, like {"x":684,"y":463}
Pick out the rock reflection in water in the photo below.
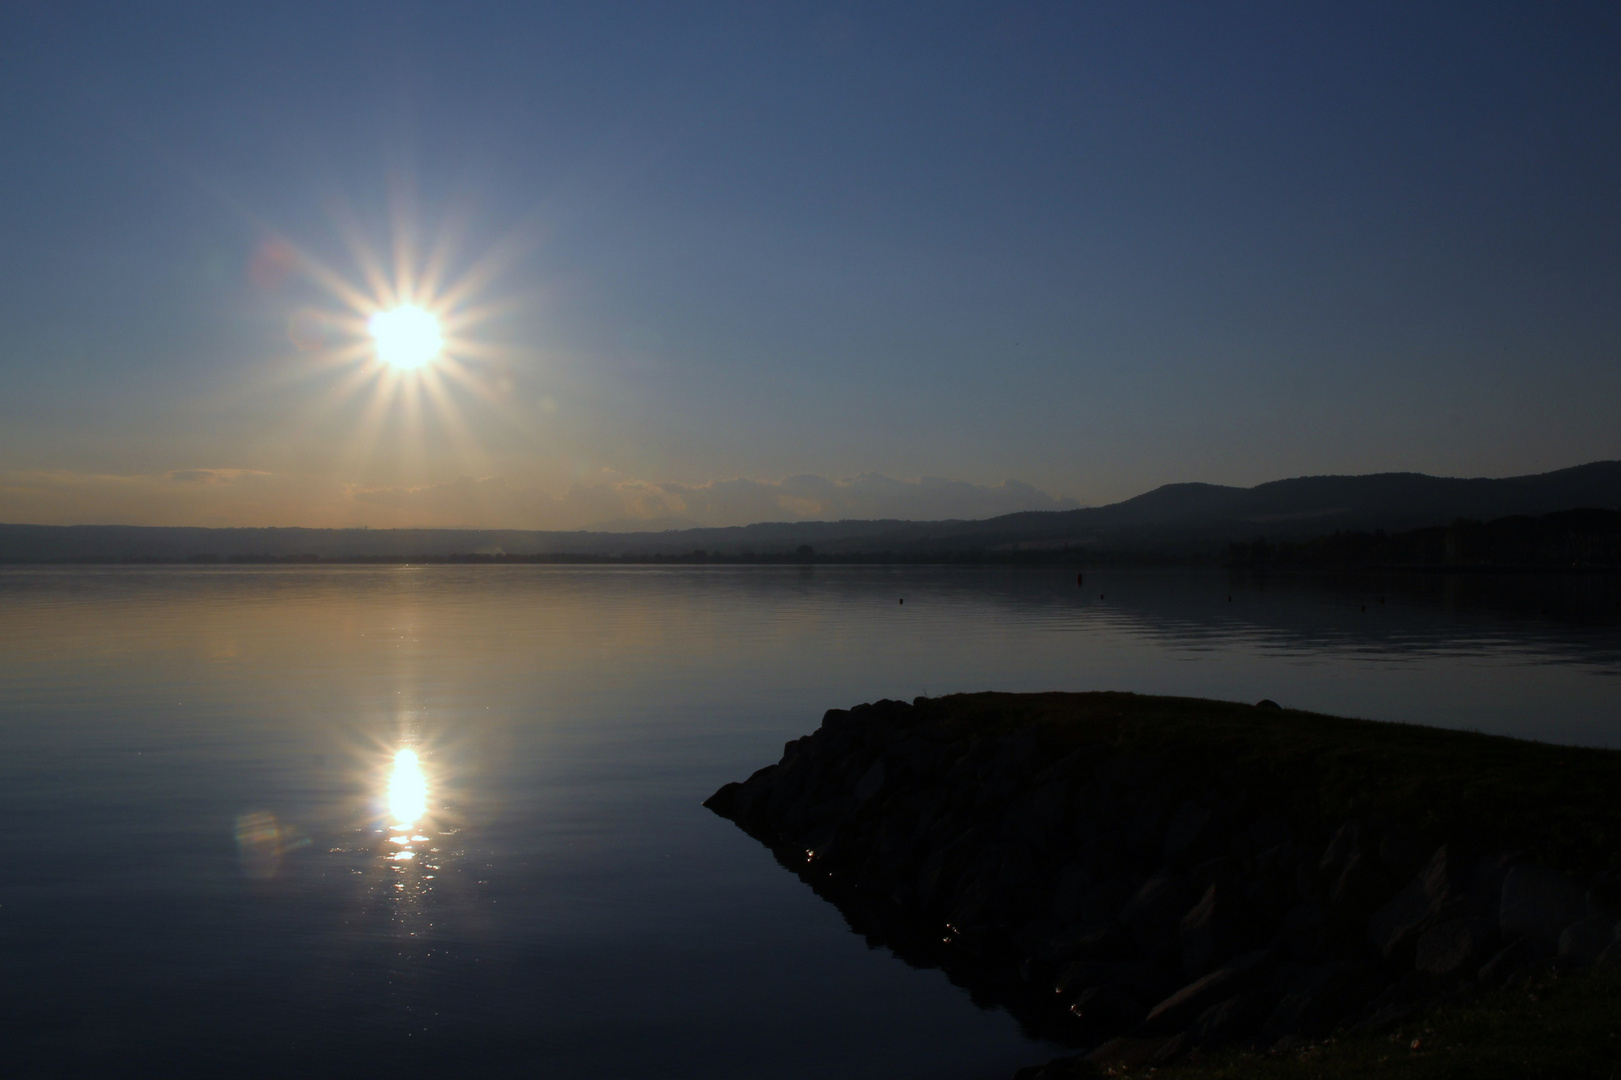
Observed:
{"x":923,"y":942}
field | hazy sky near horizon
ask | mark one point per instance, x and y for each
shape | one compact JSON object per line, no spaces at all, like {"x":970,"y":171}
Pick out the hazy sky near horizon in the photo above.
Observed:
{"x":735,"y":262}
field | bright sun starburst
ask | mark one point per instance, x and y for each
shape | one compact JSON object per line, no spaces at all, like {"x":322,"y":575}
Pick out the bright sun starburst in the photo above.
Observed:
{"x":398,"y":359}
{"x":406,"y":336}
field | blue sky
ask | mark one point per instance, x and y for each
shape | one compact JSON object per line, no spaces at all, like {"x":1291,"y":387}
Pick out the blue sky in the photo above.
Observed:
{"x":738,"y":262}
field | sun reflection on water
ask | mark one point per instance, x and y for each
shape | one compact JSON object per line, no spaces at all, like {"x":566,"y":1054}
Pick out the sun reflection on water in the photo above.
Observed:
{"x":407,"y":791}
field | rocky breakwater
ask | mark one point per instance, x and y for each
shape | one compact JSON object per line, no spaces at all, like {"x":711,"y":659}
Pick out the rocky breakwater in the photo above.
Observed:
{"x":1142,"y":878}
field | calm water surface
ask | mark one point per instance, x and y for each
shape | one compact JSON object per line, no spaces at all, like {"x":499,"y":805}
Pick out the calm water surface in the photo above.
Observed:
{"x":205,"y":875}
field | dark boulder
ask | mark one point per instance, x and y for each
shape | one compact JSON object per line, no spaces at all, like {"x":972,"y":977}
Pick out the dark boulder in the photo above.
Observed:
{"x":1394,"y":927}
{"x":1611,"y":956}
{"x":1401,"y":851}
{"x":1100,"y":944}
{"x":1346,"y":841}
{"x":1311,"y":933}
{"x":1213,"y":931}
{"x":1539,"y":902}
{"x":1141,"y":979}
{"x":1455,"y":948}
{"x":1360,"y":887}
{"x":1184,"y":835}
{"x":1520,"y":959}
{"x":1154,"y":913}
{"x":1124,"y":1053}
{"x":1109,"y":1007}
{"x":1181,"y":1009}
{"x":871,"y":782}
{"x":1314,"y":998}
{"x":1411,"y":994}
{"x":1585,"y":940}
{"x":1604,"y":893}
{"x":1235,"y":1019}
{"x":1172,"y":1050}
{"x":721,"y":802}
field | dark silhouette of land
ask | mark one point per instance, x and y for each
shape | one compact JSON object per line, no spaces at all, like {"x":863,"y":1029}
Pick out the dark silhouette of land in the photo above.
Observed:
{"x":1159,"y":879}
{"x":1173,"y":523}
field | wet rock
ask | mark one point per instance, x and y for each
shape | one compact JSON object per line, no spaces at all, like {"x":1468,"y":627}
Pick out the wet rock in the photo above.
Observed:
{"x":1539,"y":902}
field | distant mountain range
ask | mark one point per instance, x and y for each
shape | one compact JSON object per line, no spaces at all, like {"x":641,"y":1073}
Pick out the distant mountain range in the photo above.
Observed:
{"x":1173,"y":521}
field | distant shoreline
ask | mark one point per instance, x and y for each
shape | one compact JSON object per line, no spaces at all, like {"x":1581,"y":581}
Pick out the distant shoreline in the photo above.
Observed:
{"x":1042,"y":559}
{"x":1555,"y":520}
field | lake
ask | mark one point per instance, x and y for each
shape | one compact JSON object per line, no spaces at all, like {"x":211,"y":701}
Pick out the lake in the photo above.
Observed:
{"x":201,"y":784}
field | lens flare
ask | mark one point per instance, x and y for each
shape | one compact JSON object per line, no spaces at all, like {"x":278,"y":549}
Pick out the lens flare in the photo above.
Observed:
{"x":407,"y":790}
{"x":259,"y":844}
{"x":407,"y":336}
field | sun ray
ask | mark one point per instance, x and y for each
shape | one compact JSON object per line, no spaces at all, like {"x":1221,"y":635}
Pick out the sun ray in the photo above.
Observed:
{"x":448,"y":415}
{"x":494,"y":263}
{"x":379,"y":290}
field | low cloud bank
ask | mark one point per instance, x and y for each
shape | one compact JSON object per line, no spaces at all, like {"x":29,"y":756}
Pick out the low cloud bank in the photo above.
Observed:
{"x":241,"y":497}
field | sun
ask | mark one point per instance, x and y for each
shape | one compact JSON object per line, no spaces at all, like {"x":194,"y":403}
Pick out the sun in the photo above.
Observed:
{"x":406,"y":336}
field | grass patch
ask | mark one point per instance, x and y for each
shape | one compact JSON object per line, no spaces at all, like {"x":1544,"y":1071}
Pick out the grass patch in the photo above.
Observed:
{"x":1565,"y":1028}
{"x":1557,"y":803}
